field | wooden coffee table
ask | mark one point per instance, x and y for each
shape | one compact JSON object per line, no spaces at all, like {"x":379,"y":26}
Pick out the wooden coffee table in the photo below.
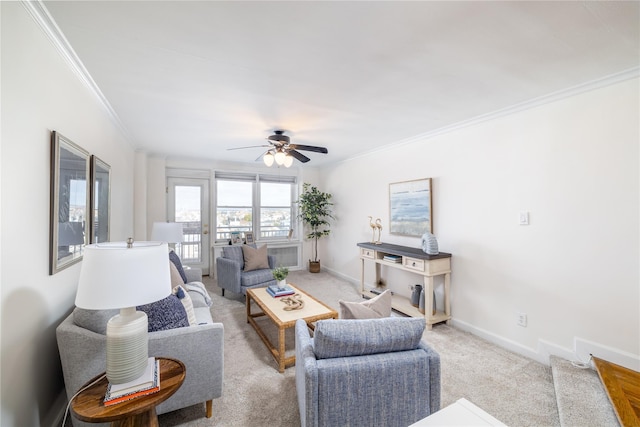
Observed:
{"x":273,"y":308}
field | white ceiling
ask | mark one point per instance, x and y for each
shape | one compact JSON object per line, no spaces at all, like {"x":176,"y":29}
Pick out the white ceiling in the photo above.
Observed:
{"x":197,"y":78}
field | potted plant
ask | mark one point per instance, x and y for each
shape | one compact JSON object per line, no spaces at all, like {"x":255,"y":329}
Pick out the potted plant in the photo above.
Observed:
{"x":280,"y":274}
{"x":315,"y":212}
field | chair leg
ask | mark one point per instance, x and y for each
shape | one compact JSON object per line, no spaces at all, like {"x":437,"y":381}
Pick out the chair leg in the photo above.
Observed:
{"x":222,"y":291}
{"x":209,"y":404}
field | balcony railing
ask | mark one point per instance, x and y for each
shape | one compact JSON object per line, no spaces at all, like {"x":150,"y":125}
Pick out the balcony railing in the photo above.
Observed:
{"x":191,"y":246}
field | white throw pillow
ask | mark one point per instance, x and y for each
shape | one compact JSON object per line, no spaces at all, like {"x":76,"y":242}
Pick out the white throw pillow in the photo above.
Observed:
{"x":375,"y":308}
{"x":185,"y":299}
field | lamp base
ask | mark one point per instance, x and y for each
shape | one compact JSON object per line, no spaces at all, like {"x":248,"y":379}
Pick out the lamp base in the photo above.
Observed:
{"x":127,"y":345}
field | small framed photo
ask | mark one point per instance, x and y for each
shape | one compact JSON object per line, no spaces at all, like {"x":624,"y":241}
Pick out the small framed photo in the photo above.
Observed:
{"x":236,"y":238}
{"x":248,"y":237}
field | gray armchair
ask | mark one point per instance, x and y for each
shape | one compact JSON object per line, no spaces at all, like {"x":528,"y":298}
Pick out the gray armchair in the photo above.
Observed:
{"x":374,"y":372}
{"x":231,"y":275}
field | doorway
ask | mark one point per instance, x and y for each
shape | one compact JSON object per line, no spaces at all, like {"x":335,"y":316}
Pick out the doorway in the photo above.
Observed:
{"x":188,"y":204}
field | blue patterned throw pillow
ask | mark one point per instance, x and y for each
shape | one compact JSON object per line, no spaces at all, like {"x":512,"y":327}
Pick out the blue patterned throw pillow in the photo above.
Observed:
{"x":175,"y":259}
{"x":168,"y":313}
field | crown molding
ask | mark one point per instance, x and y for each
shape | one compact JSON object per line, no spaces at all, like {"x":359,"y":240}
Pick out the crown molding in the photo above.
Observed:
{"x":526,"y":105}
{"x":39,"y":13}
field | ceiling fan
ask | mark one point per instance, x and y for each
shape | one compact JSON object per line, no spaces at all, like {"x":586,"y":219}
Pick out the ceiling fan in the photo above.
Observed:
{"x":282,"y":151}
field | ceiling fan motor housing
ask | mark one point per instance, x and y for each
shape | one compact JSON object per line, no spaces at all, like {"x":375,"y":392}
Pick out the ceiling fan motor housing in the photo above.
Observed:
{"x":279,"y":137}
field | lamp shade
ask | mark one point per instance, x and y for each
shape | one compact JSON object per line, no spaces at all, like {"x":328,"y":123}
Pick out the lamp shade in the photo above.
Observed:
{"x":115,"y":276}
{"x":169,"y":232}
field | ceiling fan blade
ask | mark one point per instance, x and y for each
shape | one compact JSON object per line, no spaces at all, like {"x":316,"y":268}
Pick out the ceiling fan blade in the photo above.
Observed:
{"x":261,"y":156}
{"x":250,"y":146}
{"x":309,"y":148}
{"x":299,"y":156}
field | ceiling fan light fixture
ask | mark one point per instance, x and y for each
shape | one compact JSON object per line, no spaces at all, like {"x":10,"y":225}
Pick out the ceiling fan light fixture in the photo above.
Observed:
{"x":288,"y":161}
{"x":279,"y":157}
{"x":268,"y":159}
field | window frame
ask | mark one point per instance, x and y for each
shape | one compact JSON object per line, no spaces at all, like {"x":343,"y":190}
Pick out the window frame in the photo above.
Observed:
{"x":256,"y":208}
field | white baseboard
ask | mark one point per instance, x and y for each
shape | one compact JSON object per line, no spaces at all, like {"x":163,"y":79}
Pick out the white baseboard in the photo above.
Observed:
{"x":500,"y":341}
{"x":582,"y":349}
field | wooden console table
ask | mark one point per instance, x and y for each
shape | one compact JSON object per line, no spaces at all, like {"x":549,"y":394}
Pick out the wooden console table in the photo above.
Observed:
{"x":413,"y":260}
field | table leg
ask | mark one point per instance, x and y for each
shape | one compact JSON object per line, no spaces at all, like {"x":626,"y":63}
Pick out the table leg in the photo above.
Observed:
{"x":248,"y":305}
{"x":147,"y":419}
{"x":281,"y":349}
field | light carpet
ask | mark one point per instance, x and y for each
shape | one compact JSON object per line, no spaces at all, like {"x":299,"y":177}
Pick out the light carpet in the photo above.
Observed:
{"x":514,"y":389}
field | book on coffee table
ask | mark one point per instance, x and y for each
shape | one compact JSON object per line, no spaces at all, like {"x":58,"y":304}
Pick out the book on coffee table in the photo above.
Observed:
{"x":280,"y":291}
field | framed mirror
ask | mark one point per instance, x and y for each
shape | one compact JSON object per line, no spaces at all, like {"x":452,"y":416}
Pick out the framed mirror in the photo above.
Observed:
{"x":100,"y":200}
{"x":69,"y":202}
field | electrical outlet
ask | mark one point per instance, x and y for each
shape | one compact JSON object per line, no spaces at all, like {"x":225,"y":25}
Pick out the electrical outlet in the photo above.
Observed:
{"x":521,"y":319}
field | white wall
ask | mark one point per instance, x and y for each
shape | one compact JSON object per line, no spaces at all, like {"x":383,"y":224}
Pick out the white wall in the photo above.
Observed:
{"x":40,"y":93}
{"x":573,"y":164}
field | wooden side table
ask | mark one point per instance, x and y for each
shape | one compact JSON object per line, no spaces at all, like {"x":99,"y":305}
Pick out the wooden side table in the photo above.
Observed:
{"x":141,"y":411}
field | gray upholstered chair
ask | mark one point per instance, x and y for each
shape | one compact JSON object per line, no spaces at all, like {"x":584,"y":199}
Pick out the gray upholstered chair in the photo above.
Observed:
{"x":231,"y":274}
{"x":373,"y":372}
{"x":82,"y":345}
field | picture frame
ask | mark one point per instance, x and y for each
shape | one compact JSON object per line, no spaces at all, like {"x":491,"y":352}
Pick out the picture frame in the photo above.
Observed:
{"x":236,"y":238}
{"x":100,"y":200}
{"x":410,"y":207}
{"x":248,"y":237}
{"x":69,"y":203}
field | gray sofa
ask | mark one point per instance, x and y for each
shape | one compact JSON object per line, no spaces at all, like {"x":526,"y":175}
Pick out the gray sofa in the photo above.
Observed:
{"x":82,"y":345}
{"x":231,"y":275}
{"x":373,"y":372}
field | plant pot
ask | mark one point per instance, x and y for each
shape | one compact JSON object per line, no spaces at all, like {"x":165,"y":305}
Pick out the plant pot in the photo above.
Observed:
{"x":314,"y":266}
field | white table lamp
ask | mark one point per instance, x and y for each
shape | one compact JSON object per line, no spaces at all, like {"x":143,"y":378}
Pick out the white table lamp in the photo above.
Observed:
{"x":124,"y":275}
{"x":169,"y":232}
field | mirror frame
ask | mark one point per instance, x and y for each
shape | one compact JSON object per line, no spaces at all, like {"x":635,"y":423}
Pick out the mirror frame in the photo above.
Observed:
{"x":100,"y":201}
{"x":64,"y":151}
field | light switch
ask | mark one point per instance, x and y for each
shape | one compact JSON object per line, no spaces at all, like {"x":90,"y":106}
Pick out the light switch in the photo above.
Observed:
{"x":524,"y":218}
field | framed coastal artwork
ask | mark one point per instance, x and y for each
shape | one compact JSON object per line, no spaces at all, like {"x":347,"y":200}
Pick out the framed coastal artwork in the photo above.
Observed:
{"x":410,"y":207}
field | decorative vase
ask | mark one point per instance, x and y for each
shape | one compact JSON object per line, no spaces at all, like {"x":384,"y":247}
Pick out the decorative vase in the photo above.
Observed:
{"x":282,"y":283}
{"x":421,"y":304}
{"x":429,"y":244}
{"x":415,"y":295}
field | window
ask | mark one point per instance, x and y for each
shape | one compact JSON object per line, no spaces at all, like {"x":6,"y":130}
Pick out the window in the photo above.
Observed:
{"x":259,"y":203}
{"x":275,"y":210}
